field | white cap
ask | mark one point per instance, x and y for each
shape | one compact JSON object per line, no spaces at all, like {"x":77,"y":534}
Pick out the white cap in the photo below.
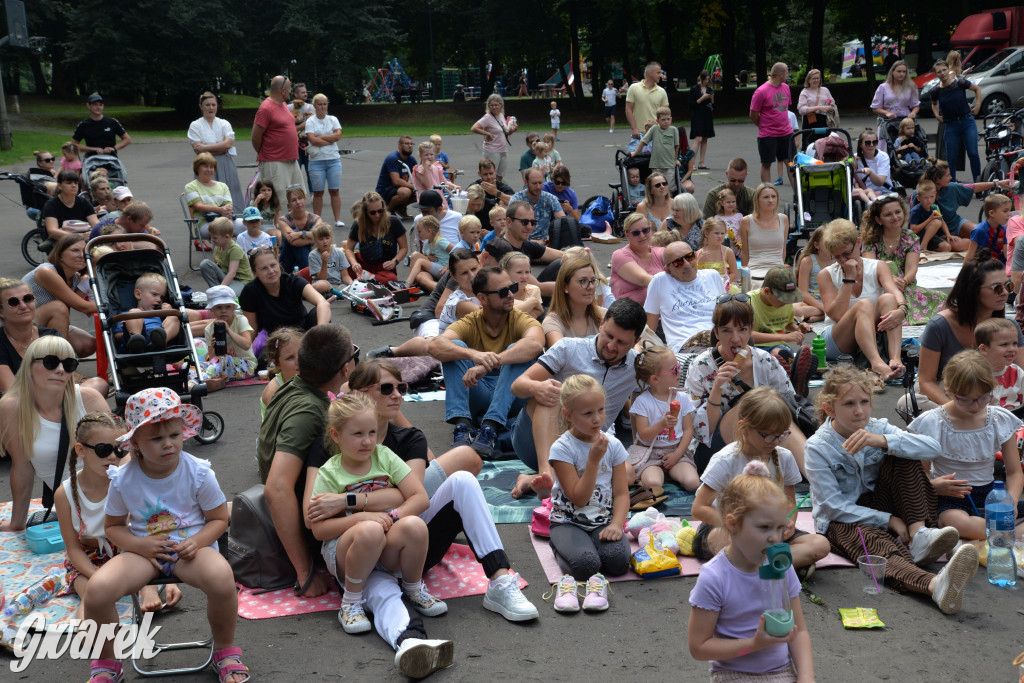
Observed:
{"x":220,"y":294}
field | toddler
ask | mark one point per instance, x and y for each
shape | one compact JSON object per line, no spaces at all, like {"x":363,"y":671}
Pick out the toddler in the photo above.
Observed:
{"x":527,"y":296}
{"x":328,"y":266}
{"x":726,"y":205}
{"x":229,"y":266}
{"x":775,"y":326}
{"x":906,"y":144}
{"x":441,"y":157}
{"x":997,"y":341}
{"x":282,"y":362}
{"x":543,"y":159}
{"x":556,"y":158}
{"x":469,"y":230}
{"x":430,"y":260}
{"x":499,"y":223}
{"x":714,"y":255}
{"x":590,"y":498}
{"x":663,"y":431}
{"x":69,"y":160}
{"x":138,"y":336}
{"x":636,"y":188}
{"x":165,"y":511}
{"x":927,"y":223}
{"x":991,"y":232}
{"x":429,"y":174}
{"x":556,"y":119}
{"x":237,"y":360}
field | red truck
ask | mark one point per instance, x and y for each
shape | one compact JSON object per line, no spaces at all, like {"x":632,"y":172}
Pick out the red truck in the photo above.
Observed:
{"x":979,"y":36}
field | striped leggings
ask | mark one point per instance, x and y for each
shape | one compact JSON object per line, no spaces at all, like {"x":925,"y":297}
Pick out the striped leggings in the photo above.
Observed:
{"x":903,"y":490}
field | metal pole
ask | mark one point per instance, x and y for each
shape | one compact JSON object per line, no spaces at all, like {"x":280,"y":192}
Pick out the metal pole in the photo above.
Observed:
{"x":6,"y":141}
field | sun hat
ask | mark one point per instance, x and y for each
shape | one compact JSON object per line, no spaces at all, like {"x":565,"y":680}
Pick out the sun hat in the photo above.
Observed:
{"x":219,"y":294}
{"x":159,"y":404}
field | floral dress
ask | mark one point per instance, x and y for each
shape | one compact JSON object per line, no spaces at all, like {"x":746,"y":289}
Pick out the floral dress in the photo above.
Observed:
{"x":923,"y":303}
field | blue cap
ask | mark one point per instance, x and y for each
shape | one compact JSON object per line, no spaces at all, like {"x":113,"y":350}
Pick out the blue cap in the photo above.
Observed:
{"x":251,"y":213}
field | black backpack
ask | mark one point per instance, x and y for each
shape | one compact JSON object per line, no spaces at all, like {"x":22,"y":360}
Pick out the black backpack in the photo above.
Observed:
{"x":255,"y":552}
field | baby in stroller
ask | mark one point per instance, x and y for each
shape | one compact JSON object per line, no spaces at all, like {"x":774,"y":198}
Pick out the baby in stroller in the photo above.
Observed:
{"x":907,"y":145}
{"x":137,"y":336}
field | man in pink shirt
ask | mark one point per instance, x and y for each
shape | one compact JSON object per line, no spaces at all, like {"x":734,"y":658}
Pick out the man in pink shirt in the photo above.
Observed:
{"x":276,"y":143}
{"x":768,"y":111}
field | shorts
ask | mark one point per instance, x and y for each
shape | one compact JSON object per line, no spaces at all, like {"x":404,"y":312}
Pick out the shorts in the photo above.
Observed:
{"x":500,"y":160}
{"x":832,"y":351}
{"x":388,"y":193}
{"x":936,"y":242}
{"x":977,"y":494}
{"x":95,"y":555}
{"x":326,"y":171}
{"x":329,"y":551}
{"x":435,"y":269}
{"x":609,"y":110}
{"x":773,"y":149}
{"x":433,"y":477}
{"x":642,"y":457}
{"x":784,"y":675}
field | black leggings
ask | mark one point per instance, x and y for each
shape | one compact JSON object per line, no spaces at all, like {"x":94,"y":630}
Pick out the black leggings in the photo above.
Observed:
{"x":582,"y":553}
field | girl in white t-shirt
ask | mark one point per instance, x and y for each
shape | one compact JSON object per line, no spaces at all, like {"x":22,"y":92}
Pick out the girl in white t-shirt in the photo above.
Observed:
{"x":165,"y":511}
{"x":527,"y":296}
{"x":663,"y":422}
{"x":764,"y":423}
{"x":463,"y":265}
{"x":80,"y":504}
{"x":590,"y":498}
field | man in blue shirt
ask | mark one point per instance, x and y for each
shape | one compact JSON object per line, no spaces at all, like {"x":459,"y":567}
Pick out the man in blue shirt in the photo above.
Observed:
{"x":545,"y":205}
{"x":395,"y":182}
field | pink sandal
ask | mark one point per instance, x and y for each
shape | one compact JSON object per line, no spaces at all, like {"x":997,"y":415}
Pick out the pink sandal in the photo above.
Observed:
{"x":225,"y":670}
{"x":105,"y":666}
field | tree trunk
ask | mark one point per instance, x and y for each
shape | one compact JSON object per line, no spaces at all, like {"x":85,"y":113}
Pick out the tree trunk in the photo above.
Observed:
{"x":41,"y":87}
{"x":729,"y":71}
{"x":648,"y":48}
{"x":576,"y":94}
{"x":669,"y":54}
{"x":866,"y":28}
{"x":760,"y":45}
{"x":815,"y":49}
{"x":924,"y":43}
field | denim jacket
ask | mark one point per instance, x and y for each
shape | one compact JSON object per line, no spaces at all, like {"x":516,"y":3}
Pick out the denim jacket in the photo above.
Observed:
{"x":839,"y":478}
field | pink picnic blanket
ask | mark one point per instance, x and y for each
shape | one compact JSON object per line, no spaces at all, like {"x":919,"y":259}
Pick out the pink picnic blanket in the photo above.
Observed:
{"x":690,"y":565}
{"x":456,"y":576}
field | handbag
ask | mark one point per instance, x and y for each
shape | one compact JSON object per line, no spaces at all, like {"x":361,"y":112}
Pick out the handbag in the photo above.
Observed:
{"x":49,"y":515}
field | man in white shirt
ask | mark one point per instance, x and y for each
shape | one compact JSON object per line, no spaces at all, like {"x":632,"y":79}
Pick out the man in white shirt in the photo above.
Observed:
{"x":682,"y":298}
{"x":610,"y":96}
{"x":433,"y":204}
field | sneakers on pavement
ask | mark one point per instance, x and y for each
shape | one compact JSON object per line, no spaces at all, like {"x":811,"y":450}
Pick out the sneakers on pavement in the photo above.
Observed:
{"x":929,"y":545}
{"x":951,"y":582}
{"x":353,"y":618}
{"x":505,"y":597}
{"x":566,"y":599}
{"x":462,"y":436}
{"x":382,"y":352}
{"x":485,"y":441}
{"x":426,"y":604}
{"x":418,"y":658}
{"x":597,"y":594}
{"x":778,"y":181}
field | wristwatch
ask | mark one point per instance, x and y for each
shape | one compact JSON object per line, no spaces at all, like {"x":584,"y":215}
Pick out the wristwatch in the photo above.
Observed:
{"x":848,"y":281}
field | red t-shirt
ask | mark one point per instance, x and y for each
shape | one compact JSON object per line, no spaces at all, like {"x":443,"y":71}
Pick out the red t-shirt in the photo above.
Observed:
{"x":280,"y":141}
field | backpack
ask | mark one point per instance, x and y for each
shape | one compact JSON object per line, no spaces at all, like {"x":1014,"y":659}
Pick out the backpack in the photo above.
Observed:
{"x":598,"y":215}
{"x":255,"y":552}
{"x":564,"y":233}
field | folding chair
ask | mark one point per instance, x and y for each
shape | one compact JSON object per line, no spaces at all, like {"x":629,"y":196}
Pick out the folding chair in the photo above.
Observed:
{"x":197,"y":644}
{"x":192,"y":228}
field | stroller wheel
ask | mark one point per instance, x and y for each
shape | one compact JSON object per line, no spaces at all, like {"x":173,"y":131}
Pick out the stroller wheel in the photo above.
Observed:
{"x":212,"y":427}
{"x":35,"y":246}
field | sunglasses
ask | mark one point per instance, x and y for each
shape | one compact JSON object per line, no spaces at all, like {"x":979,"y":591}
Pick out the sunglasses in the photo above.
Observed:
{"x":51,"y":363}
{"x":27,"y":299}
{"x":48,"y":160}
{"x":674,"y":371}
{"x":259,"y":250}
{"x":587,"y":282}
{"x":658,"y":184}
{"x":504,"y":291}
{"x":678,"y":263}
{"x":387,"y":387}
{"x":527,"y":221}
{"x":998,"y":288}
{"x":557,"y":183}
{"x":869,"y":143}
{"x":641,"y":231}
{"x":375,"y":212}
{"x":726,"y":298}
{"x":102,"y":450}
{"x":774,"y":438}
{"x":968,"y":402}
{"x":354,"y":356}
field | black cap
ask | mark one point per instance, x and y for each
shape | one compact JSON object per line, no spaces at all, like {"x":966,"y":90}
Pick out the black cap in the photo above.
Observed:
{"x":95,"y":97}
{"x":431,"y":199}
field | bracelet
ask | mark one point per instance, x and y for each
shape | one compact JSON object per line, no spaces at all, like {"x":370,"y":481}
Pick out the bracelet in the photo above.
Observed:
{"x":848,"y":281}
{"x":712,"y":403}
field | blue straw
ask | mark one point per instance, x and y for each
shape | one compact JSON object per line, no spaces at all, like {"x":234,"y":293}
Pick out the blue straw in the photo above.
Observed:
{"x":974,"y":507}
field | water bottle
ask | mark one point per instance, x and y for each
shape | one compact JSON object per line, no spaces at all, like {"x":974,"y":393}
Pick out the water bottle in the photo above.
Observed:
{"x":818,"y":348}
{"x":999,"y":517}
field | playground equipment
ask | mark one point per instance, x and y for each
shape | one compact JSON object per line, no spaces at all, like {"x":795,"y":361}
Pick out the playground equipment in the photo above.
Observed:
{"x":383,"y":81}
{"x":713,"y":65}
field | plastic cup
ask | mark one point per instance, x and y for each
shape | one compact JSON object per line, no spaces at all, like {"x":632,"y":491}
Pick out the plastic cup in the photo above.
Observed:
{"x":872,"y":573}
{"x":263,"y":374}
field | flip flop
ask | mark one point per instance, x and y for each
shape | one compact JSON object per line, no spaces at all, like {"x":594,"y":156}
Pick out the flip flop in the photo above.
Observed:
{"x":649,"y":502}
{"x":641,"y":499}
{"x":702,"y":167}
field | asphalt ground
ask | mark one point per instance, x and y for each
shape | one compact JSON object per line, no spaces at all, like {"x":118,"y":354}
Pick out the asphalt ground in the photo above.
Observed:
{"x":643,"y":635}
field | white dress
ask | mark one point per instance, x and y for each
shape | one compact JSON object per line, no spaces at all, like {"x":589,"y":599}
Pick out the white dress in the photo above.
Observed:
{"x":203,"y":131}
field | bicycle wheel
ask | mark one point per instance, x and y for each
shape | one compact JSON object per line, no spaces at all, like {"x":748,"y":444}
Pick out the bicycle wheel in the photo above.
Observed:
{"x":212,"y":427}
{"x":32,"y":246}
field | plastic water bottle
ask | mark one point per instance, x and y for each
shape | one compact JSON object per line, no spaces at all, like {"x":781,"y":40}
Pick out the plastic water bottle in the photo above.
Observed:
{"x":818,"y":348}
{"x":999,"y":516}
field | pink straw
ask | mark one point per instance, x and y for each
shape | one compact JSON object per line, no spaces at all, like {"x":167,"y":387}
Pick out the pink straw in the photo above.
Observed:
{"x":867,"y":556}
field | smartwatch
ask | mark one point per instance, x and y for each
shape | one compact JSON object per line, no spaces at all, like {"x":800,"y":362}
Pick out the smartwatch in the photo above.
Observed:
{"x":351,"y":500}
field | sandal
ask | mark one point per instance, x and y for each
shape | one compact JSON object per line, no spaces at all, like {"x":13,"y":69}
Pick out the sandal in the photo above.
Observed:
{"x":645,"y":496}
{"x":105,"y":666}
{"x":225,"y":670}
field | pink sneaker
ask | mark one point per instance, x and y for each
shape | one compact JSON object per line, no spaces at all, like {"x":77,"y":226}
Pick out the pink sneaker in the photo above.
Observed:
{"x":597,"y":594}
{"x":566,"y":599}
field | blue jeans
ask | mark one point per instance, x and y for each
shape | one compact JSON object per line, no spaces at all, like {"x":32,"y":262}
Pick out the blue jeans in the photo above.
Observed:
{"x":324,"y":173}
{"x":962,"y":132}
{"x":491,"y":397}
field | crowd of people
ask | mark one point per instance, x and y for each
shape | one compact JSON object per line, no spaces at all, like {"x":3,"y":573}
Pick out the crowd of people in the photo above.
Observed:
{"x":553,"y":368}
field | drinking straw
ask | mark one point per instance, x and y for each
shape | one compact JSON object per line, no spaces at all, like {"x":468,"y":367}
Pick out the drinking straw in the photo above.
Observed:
{"x":867,"y":556}
{"x":974,"y":507}
{"x":802,"y":501}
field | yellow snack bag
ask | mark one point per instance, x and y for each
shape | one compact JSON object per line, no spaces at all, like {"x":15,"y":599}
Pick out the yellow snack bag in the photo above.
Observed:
{"x":651,"y":563}
{"x":861,"y":617}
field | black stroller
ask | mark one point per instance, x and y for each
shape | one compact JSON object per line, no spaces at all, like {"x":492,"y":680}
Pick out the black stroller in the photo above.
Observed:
{"x":906,"y":172}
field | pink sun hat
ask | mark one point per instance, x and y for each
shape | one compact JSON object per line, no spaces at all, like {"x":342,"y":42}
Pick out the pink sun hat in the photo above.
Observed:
{"x":159,"y":405}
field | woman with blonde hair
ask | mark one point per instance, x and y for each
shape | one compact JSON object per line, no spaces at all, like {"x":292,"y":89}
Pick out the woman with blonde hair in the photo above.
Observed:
{"x":763,"y":233}
{"x":574,"y":311}
{"x":686,"y":219}
{"x":656,"y":204}
{"x":495,"y":129}
{"x":377,"y":241}
{"x":635,"y":264}
{"x":814,"y":105}
{"x":43,"y":402}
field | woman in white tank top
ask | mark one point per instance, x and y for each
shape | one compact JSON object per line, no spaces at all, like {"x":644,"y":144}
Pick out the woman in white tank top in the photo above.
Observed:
{"x":860,"y":300}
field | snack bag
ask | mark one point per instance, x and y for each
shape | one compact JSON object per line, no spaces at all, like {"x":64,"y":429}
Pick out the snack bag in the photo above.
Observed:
{"x":651,"y":563}
{"x":861,"y":617}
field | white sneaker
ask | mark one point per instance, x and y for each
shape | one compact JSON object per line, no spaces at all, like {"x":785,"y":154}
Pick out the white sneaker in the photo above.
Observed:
{"x":426,"y":604}
{"x":504,"y":597}
{"x":611,"y":130}
{"x":418,"y":658}
{"x":951,"y":582}
{"x":352,"y":618}
{"x":929,"y":545}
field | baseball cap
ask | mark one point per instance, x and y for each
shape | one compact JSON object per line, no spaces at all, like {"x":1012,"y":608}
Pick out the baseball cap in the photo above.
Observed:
{"x":782,"y":282}
{"x":95,"y":97}
{"x":251,"y":213}
{"x":431,"y":199}
{"x":122,"y":193}
{"x":219,"y":294}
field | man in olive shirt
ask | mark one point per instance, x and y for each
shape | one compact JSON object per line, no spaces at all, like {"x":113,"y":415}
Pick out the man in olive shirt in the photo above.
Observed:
{"x":735,"y":177}
{"x":481,"y":355}
{"x":296,"y":415}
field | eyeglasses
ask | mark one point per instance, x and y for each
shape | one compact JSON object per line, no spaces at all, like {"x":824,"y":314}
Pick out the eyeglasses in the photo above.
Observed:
{"x":969,"y":402}
{"x":869,"y":143}
{"x":998,"y":288}
{"x":557,"y":183}
{"x":259,"y":250}
{"x":354,"y":356}
{"x":375,"y":212}
{"x":387,"y":387}
{"x":51,"y":363}
{"x":504,"y":291}
{"x":27,"y":299}
{"x":658,"y":184}
{"x":774,"y":438}
{"x":726,"y":298}
{"x":688,"y":258}
{"x":527,"y":221}
{"x":734,"y":181}
{"x":641,"y":231}
{"x":587,"y":282}
{"x":846,"y":255}
{"x":102,"y":450}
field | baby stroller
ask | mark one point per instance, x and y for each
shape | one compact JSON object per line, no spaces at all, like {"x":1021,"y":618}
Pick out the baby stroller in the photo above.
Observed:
{"x":621,"y":205}
{"x":906,"y":173}
{"x":824,"y":187}
{"x":116,"y":173}
{"x":112,"y":279}
{"x":34,"y":245}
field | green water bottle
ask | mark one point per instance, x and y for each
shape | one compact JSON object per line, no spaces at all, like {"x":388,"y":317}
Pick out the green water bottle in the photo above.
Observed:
{"x":818,"y":347}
